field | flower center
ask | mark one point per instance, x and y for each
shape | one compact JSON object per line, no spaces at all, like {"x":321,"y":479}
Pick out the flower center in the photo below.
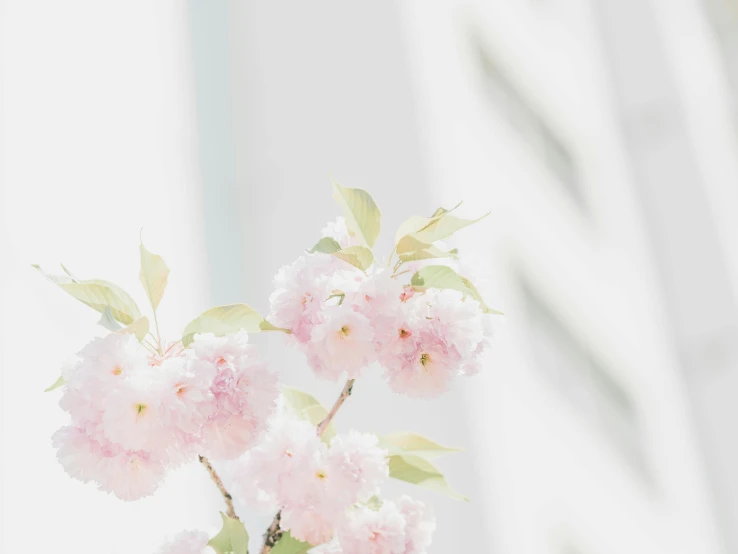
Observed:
{"x":404,"y":333}
{"x":345,"y":330}
{"x":424,"y":359}
{"x":320,"y":474}
{"x":141,"y":409}
{"x":117,"y":370}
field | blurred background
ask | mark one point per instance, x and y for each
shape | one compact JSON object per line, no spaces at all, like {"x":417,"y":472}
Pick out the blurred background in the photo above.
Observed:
{"x":602,"y":134}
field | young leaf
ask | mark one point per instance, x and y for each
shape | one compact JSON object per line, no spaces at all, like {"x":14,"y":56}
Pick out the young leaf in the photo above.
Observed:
{"x":232,"y":539}
{"x":58,"y":383}
{"x":418,"y":222}
{"x":108,"y":321}
{"x":428,"y":230}
{"x":99,"y":295}
{"x":444,"y":226}
{"x":411,"y":443}
{"x":223,"y":320}
{"x":287,"y":544}
{"x":154,"y":275}
{"x":419,"y":471}
{"x":357,"y":256}
{"x":361,"y":212}
{"x":326,"y":245}
{"x":139,"y":328}
{"x":307,"y":407}
{"x":428,"y":252}
{"x":443,"y":277}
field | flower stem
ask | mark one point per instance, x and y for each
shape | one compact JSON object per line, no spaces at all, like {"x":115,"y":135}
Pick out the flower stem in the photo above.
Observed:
{"x":345,"y":393}
{"x":274,"y":532}
{"x":230,"y":511}
{"x":158,"y":335}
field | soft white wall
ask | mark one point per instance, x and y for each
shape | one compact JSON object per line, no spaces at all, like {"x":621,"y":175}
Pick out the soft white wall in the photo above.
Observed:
{"x":97,"y":142}
{"x":554,"y":483}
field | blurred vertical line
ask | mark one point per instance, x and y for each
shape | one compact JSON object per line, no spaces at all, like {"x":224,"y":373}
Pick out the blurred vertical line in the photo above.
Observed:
{"x":214,"y":69}
{"x":697,"y":291}
{"x":4,"y":255}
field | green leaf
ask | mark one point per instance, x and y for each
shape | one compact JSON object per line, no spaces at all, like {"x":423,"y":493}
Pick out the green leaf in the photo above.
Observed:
{"x":232,"y":539}
{"x":411,"y":443}
{"x":419,"y":471}
{"x":411,"y":249}
{"x":108,"y":321}
{"x":154,"y":275}
{"x":99,"y":295}
{"x":357,"y":256}
{"x":139,"y":328}
{"x":443,"y":277}
{"x":307,"y":407}
{"x":326,"y":245}
{"x":58,"y":383}
{"x":223,"y":320}
{"x":427,"y":252}
{"x":374,"y":503}
{"x":427,"y":230}
{"x":362,"y":214}
{"x":287,"y":544}
{"x":418,"y":222}
{"x":443,"y":227}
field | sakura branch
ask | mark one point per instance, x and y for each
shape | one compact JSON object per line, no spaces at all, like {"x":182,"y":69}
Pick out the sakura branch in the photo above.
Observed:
{"x":230,"y":511}
{"x":345,"y":393}
{"x":139,"y":406}
{"x":274,"y":532}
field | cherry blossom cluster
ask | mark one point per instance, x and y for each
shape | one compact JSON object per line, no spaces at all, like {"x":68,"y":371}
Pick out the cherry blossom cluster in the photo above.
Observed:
{"x":401,"y":527}
{"x":345,"y":320}
{"x":139,"y":408}
{"x":136,"y":415}
{"x":311,"y":483}
{"x":326,"y":493}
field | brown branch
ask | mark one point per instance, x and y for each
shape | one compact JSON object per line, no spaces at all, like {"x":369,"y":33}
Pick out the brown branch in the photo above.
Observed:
{"x":230,"y":511}
{"x":345,"y":393}
{"x":274,"y":532}
{"x":272,"y":535}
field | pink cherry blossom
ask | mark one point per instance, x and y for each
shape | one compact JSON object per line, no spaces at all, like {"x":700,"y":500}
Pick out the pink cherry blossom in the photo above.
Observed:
{"x":368,"y":531}
{"x":243,"y":391}
{"x":419,"y":525}
{"x":300,"y":291}
{"x":128,"y":475}
{"x":131,"y":413}
{"x":342,"y":342}
{"x":310,"y":524}
{"x":311,"y":483}
{"x":288,"y":451}
{"x":358,"y":464}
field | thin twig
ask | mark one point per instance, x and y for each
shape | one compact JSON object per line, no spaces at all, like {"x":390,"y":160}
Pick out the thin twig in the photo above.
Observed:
{"x":230,"y":511}
{"x":345,"y":393}
{"x":272,"y":535}
{"x":274,"y":532}
{"x":158,"y":335}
